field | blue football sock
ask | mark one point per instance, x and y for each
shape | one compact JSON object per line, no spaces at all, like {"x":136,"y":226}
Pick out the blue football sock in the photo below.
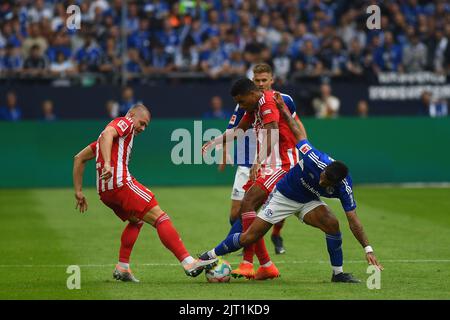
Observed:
{"x":230,"y":244}
{"x":236,"y":227}
{"x":334,"y":246}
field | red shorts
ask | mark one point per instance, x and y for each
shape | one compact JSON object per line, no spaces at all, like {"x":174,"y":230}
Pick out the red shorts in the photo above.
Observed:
{"x":130,"y":200}
{"x":268,"y":182}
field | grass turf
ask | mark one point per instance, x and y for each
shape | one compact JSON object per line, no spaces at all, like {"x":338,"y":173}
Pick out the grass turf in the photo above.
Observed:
{"x":41,"y":234}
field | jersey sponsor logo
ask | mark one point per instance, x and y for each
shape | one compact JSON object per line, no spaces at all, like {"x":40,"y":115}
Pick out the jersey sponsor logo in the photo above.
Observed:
{"x":233,"y":119}
{"x":122,"y":125}
{"x":268,"y":111}
{"x":305,"y":148}
{"x":309,"y":188}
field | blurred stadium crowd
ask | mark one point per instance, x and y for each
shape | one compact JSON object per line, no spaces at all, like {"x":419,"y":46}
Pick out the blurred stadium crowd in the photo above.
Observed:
{"x":223,"y":38}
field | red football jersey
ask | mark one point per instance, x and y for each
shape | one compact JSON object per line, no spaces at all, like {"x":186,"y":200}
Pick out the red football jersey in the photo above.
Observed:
{"x":120,"y":155}
{"x":285,"y":154}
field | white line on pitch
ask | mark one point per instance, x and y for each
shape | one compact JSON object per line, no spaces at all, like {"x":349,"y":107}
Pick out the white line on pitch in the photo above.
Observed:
{"x":177,"y":264}
{"x":407,"y":185}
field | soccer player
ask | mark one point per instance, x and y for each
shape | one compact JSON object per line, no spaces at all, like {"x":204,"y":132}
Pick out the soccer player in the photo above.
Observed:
{"x":263,"y":78}
{"x":298,"y":193}
{"x":276,"y":154}
{"x":130,"y":200}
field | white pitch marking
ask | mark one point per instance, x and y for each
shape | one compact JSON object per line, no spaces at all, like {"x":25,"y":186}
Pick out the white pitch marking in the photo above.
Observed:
{"x":177,"y":264}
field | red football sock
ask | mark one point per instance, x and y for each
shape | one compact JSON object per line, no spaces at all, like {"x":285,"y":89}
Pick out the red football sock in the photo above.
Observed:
{"x":261,"y":251}
{"x":170,"y":237}
{"x":247,"y":219}
{"x":277,"y":228}
{"x":129,"y":237}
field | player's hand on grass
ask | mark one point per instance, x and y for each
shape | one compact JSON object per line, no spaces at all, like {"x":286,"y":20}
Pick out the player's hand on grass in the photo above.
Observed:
{"x":106,"y":172}
{"x":82,"y":204}
{"x":373,"y":260}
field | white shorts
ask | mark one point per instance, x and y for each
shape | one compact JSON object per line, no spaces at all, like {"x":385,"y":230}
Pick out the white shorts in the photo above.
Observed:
{"x":240,"y":179}
{"x":278,"y":207}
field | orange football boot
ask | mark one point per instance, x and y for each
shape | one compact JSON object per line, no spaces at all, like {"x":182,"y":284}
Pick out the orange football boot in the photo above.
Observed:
{"x":264,"y":273}
{"x":244,"y":270}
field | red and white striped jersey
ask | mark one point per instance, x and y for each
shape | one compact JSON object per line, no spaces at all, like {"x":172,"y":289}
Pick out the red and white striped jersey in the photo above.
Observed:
{"x":284,"y":154}
{"x":120,"y":155}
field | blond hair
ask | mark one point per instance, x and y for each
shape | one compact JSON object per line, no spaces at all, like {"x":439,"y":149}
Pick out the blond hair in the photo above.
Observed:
{"x":262,"y":68}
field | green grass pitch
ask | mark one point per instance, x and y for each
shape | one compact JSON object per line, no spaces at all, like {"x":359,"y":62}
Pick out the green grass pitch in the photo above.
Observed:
{"x":41,"y":234}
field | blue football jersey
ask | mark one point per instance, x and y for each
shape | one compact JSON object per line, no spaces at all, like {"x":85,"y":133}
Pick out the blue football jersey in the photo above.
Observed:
{"x":236,"y":118}
{"x":301,"y":183}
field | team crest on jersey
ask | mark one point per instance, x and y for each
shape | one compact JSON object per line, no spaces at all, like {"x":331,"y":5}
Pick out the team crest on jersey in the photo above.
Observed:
{"x":305,"y":148}
{"x":233,"y":119}
{"x":329,"y":190}
{"x":268,"y":111}
{"x":268,"y":212}
{"x":122,"y":125}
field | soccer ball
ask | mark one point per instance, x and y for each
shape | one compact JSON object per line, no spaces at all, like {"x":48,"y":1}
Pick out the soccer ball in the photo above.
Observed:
{"x":220,"y":273}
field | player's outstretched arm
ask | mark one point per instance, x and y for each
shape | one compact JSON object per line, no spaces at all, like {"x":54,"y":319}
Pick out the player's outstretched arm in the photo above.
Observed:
{"x":358,"y":232}
{"x":295,"y":125}
{"x":226,"y":136}
{"x":79,"y":163}
{"x":301,"y":126}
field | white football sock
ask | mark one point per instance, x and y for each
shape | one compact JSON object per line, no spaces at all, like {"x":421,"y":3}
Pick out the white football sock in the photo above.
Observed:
{"x":268,"y":264}
{"x":337,"y":270}
{"x":124,"y":265}
{"x":187,"y":260}
{"x":212,"y":254}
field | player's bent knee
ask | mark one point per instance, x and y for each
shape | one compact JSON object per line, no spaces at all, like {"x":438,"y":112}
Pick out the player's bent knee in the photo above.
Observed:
{"x":235,"y":209}
{"x":153,"y":215}
{"x":251,"y":202}
{"x":247,"y":205}
{"x":134,"y":220}
{"x":330,"y":224}
{"x":253,"y":199}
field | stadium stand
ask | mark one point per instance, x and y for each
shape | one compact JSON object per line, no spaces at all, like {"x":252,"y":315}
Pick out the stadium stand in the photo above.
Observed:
{"x":216,"y":38}
{"x":159,"y":42}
